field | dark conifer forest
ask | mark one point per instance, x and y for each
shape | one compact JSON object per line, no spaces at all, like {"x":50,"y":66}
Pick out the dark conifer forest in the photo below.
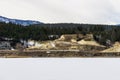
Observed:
{"x":42,"y":31}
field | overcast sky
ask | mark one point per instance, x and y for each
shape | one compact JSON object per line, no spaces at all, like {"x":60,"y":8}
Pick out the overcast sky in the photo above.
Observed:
{"x":57,"y":11}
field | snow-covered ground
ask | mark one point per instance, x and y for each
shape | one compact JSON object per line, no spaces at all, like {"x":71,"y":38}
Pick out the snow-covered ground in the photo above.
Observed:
{"x":60,"y":69}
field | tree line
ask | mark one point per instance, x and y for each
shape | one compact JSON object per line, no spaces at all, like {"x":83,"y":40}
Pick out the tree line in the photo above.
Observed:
{"x":42,"y":31}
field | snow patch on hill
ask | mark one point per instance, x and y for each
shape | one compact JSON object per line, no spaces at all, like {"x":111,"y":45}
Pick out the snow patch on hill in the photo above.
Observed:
{"x":19,"y":22}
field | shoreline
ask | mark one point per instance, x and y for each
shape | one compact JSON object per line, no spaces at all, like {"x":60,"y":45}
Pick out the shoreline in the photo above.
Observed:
{"x":57,"y":54}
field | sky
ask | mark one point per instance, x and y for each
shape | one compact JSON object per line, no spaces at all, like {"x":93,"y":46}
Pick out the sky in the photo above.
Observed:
{"x":60,"y":69}
{"x":63,"y":11}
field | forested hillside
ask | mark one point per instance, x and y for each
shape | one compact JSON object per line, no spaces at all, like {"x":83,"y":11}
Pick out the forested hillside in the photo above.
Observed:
{"x":42,"y":31}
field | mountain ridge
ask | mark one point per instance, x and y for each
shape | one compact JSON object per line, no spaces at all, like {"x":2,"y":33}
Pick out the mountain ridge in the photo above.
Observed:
{"x":19,"y":21}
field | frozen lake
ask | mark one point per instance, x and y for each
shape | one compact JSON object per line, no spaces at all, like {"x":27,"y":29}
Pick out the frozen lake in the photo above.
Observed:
{"x":60,"y":69}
